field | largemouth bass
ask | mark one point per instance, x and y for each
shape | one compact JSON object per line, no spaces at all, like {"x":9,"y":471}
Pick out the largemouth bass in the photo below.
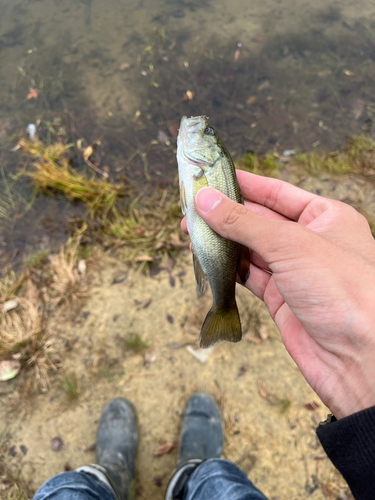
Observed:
{"x":203,"y":161}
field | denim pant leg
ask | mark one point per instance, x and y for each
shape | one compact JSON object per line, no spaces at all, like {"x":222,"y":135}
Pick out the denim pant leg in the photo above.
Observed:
{"x":74,"y":486}
{"x":218,"y":479}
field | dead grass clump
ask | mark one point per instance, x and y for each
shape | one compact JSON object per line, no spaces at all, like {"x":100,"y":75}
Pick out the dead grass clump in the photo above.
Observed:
{"x":24,"y":336}
{"x":52,"y":172}
{"x":67,"y":285}
{"x":26,"y":305}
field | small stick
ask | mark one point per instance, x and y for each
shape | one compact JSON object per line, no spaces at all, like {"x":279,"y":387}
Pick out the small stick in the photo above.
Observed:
{"x":94,"y":167}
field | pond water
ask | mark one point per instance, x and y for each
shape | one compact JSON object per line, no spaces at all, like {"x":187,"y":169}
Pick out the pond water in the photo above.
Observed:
{"x":270,"y":74}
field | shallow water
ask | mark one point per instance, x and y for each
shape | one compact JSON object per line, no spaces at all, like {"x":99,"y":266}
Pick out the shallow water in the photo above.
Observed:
{"x":270,"y":74}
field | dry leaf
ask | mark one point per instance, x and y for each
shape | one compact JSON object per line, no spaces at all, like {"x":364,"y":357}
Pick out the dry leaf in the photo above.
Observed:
{"x":259,"y":37}
{"x":253,"y":340}
{"x":311,"y":406}
{"x":174,"y":345}
{"x":87,"y":152}
{"x":9,"y":370}
{"x":173,"y":126}
{"x":9,"y":305}
{"x":142,"y":304}
{"x":263,"y":332}
{"x":82,"y":267}
{"x":163,"y":449}
{"x":188,"y":96}
{"x":33,"y":94}
{"x":322,"y":456}
{"x":326,"y":491}
{"x":143,"y":258}
{"x":251,"y":99}
{"x":262,"y":389}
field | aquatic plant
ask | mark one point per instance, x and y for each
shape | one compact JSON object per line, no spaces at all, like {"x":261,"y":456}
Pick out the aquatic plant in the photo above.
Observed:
{"x":144,"y":228}
{"x":50,"y":172}
{"x":13,"y":205}
{"x":357,"y":155}
{"x":148,"y":229}
{"x":266,"y":165}
{"x":317,"y":162}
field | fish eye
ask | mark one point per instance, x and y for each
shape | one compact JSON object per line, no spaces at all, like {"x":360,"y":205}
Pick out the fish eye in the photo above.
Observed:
{"x":209,"y":131}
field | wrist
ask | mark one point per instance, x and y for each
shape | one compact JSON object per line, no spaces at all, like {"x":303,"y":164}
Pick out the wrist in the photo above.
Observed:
{"x":356,"y":388}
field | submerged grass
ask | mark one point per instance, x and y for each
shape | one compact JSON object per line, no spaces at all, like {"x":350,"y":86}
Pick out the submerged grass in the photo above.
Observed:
{"x":144,"y":228}
{"x":51,"y":172}
{"x":266,"y":165}
{"x":148,"y":229}
{"x":12,"y":204}
{"x":356,"y":156}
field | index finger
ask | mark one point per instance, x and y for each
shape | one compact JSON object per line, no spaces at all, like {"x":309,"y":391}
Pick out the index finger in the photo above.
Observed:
{"x":277,"y":195}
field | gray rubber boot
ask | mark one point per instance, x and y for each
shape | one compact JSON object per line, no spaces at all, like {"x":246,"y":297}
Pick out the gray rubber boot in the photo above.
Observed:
{"x":116,"y":446}
{"x":201,"y":438}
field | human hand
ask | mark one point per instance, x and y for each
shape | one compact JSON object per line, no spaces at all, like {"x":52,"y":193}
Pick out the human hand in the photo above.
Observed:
{"x":313,"y":264}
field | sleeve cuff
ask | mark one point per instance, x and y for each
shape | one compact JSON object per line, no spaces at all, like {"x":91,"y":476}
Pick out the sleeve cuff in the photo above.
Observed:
{"x":350,"y":445}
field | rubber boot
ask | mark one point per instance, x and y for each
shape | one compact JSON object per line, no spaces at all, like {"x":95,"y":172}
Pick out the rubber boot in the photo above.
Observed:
{"x":116,"y":446}
{"x":201,"y":438}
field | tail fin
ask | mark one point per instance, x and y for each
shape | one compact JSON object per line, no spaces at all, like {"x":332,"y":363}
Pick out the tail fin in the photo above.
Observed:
{"x":221,"y":324}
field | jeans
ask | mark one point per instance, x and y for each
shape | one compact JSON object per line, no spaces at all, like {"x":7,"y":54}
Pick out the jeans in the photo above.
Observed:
{"x":214,"y":479}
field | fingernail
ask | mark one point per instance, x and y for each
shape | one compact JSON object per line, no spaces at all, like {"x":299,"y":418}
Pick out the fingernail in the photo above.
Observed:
{"x":207,"y":199}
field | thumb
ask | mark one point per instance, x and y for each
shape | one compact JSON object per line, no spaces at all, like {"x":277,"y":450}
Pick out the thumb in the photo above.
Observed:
{"x":269,"y":238}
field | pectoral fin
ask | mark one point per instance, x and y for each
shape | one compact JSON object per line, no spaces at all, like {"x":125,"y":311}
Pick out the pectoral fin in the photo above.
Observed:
{"x":183,"y":198}
{"x":200,"y":276}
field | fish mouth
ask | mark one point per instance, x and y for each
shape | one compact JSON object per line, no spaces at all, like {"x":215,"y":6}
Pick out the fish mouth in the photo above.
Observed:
{"x":193,"y":124}
{"x":186,"y":139}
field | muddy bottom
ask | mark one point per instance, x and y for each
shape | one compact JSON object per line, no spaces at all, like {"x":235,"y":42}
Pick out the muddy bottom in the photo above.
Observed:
{"x":268,"y":410}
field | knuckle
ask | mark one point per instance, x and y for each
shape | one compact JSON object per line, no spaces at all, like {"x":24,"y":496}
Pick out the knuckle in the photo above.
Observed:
{"x":234,"y":214}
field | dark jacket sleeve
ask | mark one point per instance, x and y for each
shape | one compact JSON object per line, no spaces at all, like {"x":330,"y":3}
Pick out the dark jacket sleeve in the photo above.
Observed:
{"x":350,"y":445}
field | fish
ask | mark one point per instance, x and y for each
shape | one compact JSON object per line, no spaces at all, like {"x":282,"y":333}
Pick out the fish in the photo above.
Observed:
{"x":204,"y":161}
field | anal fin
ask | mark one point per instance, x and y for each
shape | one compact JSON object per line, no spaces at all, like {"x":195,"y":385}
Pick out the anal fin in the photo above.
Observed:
{"x":243,"y":269}
{"x":200,"y":276}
